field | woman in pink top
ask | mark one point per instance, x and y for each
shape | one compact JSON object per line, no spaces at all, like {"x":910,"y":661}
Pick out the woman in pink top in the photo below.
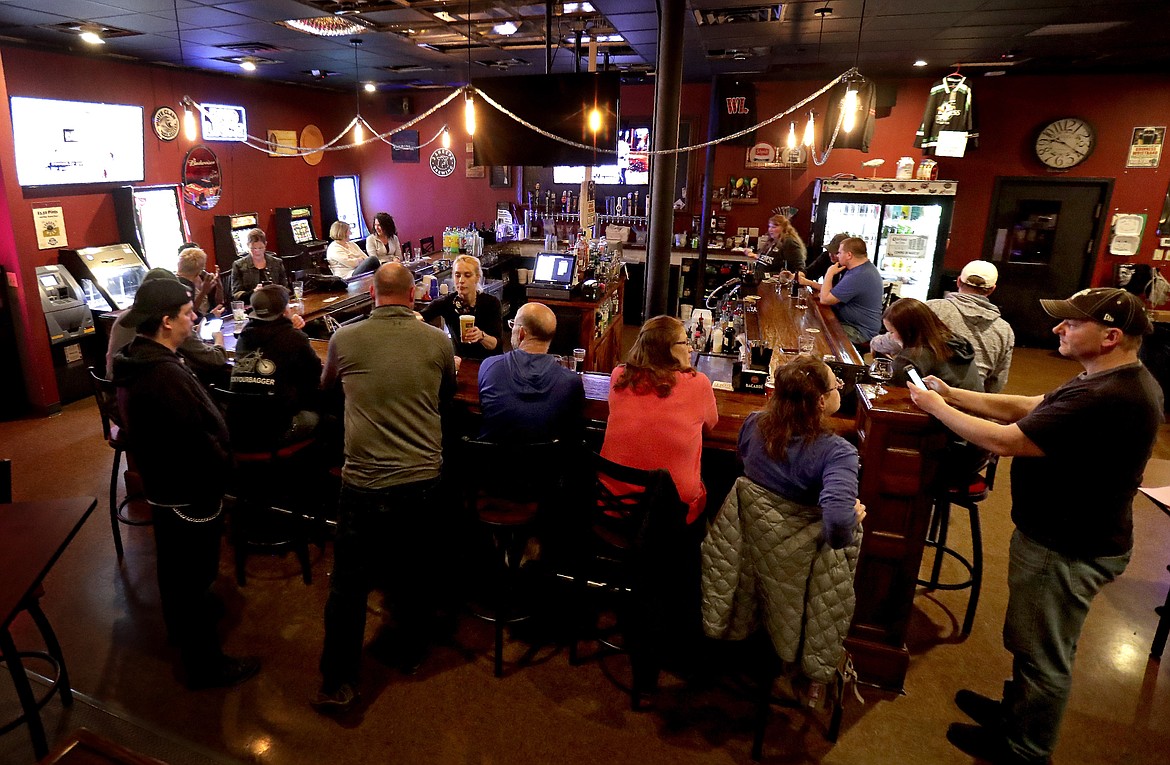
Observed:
{"x":659,"y":408}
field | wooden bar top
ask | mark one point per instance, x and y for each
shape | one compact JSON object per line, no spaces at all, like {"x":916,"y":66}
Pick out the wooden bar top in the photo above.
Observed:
{"x":775,"y":321}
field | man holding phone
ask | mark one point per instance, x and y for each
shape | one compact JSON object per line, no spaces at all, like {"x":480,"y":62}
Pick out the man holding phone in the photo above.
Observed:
{"x":1072,"y":536}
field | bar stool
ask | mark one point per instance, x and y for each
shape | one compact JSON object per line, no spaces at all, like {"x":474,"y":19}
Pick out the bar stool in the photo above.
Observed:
{"x":967,"y":497}
{"x":268,"y":476}
{"x":105,"y":393}
{"x":509,"y":508}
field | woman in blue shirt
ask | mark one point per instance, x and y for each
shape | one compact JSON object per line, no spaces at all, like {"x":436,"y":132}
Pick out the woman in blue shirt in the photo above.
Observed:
{"x":790,"y":450}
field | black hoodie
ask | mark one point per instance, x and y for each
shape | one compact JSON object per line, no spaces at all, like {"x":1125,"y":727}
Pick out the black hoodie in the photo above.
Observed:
{"x":173,"y":429}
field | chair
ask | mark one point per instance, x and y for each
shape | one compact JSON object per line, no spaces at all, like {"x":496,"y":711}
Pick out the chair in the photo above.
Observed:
{"x":633,"y":548}
{"x":268,"y":481}
{"x":426,"y":245}
{"x":509,"y":508}
{"x":53,"y":656}
{"x":967,"y":495}
{"x":105,"y":394}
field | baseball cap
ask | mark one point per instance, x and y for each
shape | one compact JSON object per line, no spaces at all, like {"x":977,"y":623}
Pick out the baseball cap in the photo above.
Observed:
{"x":269,"y":302}
{"x":979,"y":273}
{"x":1107,"y":305}
{"x":157,"y":296}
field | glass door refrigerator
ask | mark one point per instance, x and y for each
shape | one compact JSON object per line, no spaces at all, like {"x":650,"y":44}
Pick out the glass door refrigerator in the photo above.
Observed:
{"x":905,"y":225}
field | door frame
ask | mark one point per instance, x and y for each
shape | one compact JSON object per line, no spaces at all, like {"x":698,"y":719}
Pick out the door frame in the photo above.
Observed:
{"x":1106,"y":187}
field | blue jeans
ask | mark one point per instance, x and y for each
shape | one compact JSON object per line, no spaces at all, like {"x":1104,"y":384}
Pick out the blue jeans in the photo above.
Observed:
{"x":1048,"y":599}
{"x":385,"y":538}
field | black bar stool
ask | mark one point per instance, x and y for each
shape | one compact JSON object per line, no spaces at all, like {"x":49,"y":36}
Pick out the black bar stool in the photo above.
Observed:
{"x":105,"y":394}
{"x":967,"y":497}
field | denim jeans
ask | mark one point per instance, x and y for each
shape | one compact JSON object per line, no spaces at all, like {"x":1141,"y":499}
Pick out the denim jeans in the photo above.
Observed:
{"x":1048,"y":599}
{"x":386,"y":538}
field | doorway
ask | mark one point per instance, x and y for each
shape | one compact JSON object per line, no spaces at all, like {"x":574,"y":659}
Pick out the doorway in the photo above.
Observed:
{"x":1043,"y":236}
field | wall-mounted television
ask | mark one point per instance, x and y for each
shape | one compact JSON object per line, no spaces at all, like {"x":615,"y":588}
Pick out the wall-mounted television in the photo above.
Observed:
{"x":61,"y":142}
{"x":632,"y":167}
{"x":559,"y":104}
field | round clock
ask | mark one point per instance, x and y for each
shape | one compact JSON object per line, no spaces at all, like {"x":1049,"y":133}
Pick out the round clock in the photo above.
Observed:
{"x":1065,"y":143}
{"x":165,"y":122}
{"x":443,"y":162}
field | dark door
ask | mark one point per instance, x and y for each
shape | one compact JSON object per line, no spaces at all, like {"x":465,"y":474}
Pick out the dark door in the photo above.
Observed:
{"x":1043,"y":236}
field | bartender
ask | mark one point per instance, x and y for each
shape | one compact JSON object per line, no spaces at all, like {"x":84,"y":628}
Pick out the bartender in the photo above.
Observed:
{"x":781,"y":250}
{"x":256,"y":268}
{"x":481,"y":338}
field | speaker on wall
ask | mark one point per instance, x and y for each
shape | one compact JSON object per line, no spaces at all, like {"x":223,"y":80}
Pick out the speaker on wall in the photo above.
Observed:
{"x":400,"y":106}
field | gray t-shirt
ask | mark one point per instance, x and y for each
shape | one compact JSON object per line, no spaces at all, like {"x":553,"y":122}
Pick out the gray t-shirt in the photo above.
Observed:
{"x":396,"y":372}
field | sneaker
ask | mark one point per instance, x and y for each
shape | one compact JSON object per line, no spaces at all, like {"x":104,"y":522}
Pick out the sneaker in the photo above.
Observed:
{"x":986,"y":744}
{"x":229,"y":671}
{"x":984,"y":710}
{"x":337,"y":702}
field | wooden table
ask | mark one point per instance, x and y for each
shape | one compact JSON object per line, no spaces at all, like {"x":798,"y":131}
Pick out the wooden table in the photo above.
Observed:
{"x":1158,"y":474}
{"x":32,"y":537}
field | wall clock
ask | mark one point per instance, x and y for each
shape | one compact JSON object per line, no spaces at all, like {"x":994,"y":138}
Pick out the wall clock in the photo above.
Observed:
{"x":443,"y":162}
{"x":165,"y":122}
{"x":1065,"y":143}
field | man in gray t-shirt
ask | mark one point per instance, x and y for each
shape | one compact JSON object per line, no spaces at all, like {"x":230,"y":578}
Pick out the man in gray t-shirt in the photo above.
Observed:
{"x":397,"y":374}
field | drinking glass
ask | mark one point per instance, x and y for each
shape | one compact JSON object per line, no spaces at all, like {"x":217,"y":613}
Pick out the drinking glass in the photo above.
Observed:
{"x":881,"y":370}
{"x":579,"y":360}
{"x":298,"y":290}
{"x":806,"y":343}
{"x":238,"y":310}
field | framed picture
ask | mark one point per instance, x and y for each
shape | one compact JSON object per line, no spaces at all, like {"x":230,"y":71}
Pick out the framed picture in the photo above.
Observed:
{"x":501,"y":177}
{"x":404,"y":146}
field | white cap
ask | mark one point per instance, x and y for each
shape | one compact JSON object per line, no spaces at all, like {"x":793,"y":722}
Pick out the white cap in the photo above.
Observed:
{"x":979,"y":273}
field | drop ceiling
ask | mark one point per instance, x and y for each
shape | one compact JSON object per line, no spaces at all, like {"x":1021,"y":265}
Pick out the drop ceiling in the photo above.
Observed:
{"x":410,"y":44}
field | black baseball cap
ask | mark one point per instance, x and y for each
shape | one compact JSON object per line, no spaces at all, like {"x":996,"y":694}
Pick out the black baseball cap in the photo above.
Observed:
{"x":1105,"y":305}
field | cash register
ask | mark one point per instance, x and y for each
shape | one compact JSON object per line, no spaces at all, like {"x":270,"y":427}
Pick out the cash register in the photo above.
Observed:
{"x":553,"y":277}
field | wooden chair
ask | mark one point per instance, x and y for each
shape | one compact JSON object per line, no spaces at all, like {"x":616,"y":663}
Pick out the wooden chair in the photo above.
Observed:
{"x":105,"y":394}
{"x":426,"y":245}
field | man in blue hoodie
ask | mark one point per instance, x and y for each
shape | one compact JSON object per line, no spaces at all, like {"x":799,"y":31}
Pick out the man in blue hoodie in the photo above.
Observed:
{"x":525,"y":395}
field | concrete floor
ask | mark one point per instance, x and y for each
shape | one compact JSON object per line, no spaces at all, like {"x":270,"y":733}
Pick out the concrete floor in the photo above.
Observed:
{"x":454,"y":710}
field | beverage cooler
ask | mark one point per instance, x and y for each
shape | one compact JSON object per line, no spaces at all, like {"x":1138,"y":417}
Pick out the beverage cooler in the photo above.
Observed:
{"x":151,"y":219}
{"x":905,"y":225}
{"x":341,"y":199}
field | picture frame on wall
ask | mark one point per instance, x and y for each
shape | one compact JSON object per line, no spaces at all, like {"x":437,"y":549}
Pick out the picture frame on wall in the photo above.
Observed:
{"x":501,"y":177}
{"x":404,"y":146}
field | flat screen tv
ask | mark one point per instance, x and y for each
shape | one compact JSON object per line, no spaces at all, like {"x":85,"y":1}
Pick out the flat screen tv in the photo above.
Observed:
{"x":632,"y":167}
{"x":557,"y":103}
{"x":63,"y":142}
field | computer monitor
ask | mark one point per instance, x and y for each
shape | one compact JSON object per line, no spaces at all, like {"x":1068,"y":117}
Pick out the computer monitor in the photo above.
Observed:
{"x":554,"y":268}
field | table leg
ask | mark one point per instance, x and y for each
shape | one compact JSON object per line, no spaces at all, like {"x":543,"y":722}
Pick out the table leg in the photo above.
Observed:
{"x":1163,"y":630}
{"x":28,"y":702}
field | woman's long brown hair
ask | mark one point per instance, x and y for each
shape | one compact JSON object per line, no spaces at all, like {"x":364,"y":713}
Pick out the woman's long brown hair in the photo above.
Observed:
{"x":794,"y":408}
{"x":918,"y":327}
{"x":651,"y":367}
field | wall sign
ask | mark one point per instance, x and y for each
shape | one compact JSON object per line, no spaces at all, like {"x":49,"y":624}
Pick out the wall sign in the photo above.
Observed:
{"x":165,"y":122}
{"x":221,"y":122}
{"x":443,"y":162}
{"x":201,"y":178}
{"x":50,"y":224}
{"x":1145,"y":148}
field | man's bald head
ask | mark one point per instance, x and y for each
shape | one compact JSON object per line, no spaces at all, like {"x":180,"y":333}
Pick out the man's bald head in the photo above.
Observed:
{"x":394,"y":285}
{"x":538,"y":321}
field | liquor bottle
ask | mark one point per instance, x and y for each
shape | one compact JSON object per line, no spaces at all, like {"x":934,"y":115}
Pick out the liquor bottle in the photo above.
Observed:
{"x":717,"y":339}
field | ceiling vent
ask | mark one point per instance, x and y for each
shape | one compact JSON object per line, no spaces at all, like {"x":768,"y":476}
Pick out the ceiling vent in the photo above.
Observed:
{"x":321,"y":74}
{"x":504,"y":64}
{"x":759,"y":14}
{"x":736,"y":54}
{"x":257,"y":60}
{"x":104,"y":31}
{"x":412,"y":68}
{"x":250,"y":48}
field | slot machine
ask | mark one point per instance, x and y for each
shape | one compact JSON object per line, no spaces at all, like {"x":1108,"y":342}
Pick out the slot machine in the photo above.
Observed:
{"x":296,"y":241}
{"x":230,"y":233}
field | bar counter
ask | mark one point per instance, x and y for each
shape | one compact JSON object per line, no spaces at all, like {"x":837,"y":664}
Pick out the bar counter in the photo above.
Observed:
{"x":899,"y":447}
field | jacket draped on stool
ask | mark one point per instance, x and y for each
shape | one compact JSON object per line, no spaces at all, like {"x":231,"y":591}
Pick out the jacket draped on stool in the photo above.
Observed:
{"x":765,"y":560}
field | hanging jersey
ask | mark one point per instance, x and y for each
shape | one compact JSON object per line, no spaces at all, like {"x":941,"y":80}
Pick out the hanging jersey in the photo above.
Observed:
{"x":949,"y":107}
{"x":862,"y":132}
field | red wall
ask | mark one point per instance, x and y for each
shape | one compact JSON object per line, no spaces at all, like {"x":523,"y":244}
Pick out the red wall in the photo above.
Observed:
{"x":1009,"y":112}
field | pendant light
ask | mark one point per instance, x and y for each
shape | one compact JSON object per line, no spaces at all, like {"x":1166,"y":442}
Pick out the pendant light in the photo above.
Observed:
{"x":358,"y":133}
{"x":810,"y":130}
{"x":469,"y":101}
{"x":190,"y":129}
{"x":852,"y":82}
{"x":791,"y":135}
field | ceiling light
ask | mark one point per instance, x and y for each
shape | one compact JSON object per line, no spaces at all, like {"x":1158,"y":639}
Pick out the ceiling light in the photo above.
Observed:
{"x":248,"y":65}
{"x":594,"y":120}
{"x":920,"y":62}
{"x":444,"y":16}
{"x":92,"y":36}
{"x":469,"y":115}
{"x":849,"y":109}
{"x":370,"y":87}
{"x":507,"y":28}
{"x":324,"y":26}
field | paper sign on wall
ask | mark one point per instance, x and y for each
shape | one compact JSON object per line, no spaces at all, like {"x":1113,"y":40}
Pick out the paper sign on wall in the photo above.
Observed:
{"x":951,"y":143}
{"x":1145,"y":147}
{"x":50,"y":223}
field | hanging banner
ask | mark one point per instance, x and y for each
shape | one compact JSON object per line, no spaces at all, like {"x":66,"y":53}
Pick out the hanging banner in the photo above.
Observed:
{"x":737,"y":110}
{"x":201,"y":178}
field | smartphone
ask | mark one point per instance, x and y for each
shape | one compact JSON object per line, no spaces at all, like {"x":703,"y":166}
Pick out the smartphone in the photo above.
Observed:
{"x":915,"y":377}
{"x":209,"y":328}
